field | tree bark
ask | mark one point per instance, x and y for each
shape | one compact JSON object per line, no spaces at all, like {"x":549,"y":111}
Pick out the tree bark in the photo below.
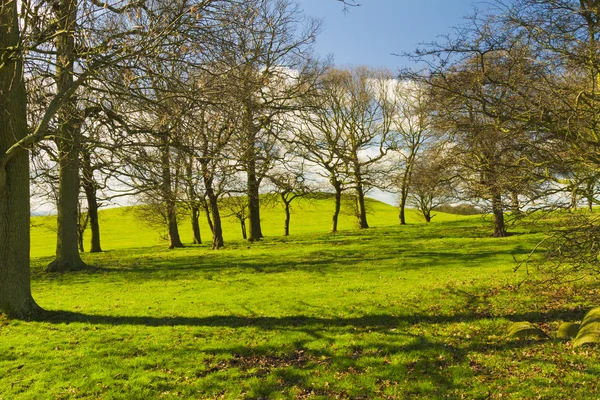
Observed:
{"x":253,"y":205}
{"x":68,"y":140}
{"x":402,"y":207}
{"x":338,"y":205}
{"x":206,"y":206}
{"x":167,"y":195}
{"x":360,"y":200}
{"x":515,"y":205}
{"x":173,"y":228}
{"x":89,"y":187}
{"x":15,"y":289}
{"x":286,"y":223}
{"x":243,"y":226}
{"x":217,"y":230}
{"x":497,"y":210}
{"x":195,"y":216}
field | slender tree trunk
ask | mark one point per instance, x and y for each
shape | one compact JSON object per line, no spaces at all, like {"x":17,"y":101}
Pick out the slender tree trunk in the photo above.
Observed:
{"x":167,"y":194}
{"x":209,"y":221}
{"x":67,"y":252}
{"x":253,"y":205}
{"x":286,"y":223}
{"x":499,"y":227}
{"x":336,"y":210}
{"x":406,"y":180}
{"x":243,"y":226}
{"x":402,"y":216}
{"x":213,"y":201}
{"x":15,"y":289}
{"x":360,"y":200}
{"x":80,"y":241}
{"x":253,"y":183}
{"x":404,"y":195}
{"x":195,"y":216}
{"x":89,"y":187}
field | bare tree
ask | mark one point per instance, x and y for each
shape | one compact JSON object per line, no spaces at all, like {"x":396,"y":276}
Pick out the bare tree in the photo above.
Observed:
{"x":361,"y":105}
{"x":431,"y":182}
{"x":289,"y":183}
{"x":413,"y":125}
{"x":269,"y":55}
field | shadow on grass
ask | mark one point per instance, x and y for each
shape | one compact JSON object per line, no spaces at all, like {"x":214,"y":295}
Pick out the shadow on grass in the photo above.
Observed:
{"x":397,"y":356}
{"x":373,"y":322}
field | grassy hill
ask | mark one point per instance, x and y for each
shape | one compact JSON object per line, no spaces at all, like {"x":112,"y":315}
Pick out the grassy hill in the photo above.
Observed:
{"x":417,"y":311}
{"x":123,"y":228}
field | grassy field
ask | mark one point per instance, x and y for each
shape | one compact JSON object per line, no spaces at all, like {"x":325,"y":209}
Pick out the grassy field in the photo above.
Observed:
{"x":418,"y":311}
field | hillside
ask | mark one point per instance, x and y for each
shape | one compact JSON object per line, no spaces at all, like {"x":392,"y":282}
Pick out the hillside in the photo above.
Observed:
{"x":123,"y":228}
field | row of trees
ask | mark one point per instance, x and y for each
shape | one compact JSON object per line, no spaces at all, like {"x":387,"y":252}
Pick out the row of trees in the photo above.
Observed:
{"x":167,"y":99}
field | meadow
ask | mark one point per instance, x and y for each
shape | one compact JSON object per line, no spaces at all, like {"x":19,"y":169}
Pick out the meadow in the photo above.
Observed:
{"x":392,"y":312}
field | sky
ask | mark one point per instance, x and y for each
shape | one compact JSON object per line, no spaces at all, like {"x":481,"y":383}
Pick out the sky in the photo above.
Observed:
{"x":370,"y":34}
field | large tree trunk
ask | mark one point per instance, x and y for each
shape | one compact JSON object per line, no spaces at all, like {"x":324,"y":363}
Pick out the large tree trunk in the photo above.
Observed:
{"x":402,"y":215}
{"x":174,"y":237}
{"x":497,"y":210}
{"x":338,"y":205}
{"x":89,"y":187}
{"x":15,"y":290}
{"x":67,"y":252}
{"x":195,"y":216}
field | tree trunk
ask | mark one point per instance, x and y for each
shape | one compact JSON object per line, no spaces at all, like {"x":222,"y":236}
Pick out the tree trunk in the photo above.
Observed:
{"x":89,"y":187}
{"x":15,"y":289}
{"x":173,"y":227}
{"x":167,"y":194}
{"x":514,"y":203}
{"x":499,"y":227}
{"x":402,"y":207}
{"x":206,"y":206}
{"x":67,"y":252}
{"x":195,"y":216}
{"x":243,"y":226}
{"x":338,"y":205}
{"x":253,"y":206}
{"x":286,"y":224}
{"x":361,"y":209}
{"x":404,"y":192}
{"x":213,"y":200}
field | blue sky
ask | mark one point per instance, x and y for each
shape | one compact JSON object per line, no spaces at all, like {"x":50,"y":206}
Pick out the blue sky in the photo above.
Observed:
{"x":369,"y":34}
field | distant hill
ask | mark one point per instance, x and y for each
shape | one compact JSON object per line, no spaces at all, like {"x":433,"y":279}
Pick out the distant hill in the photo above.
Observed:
{"x":123,"y":228}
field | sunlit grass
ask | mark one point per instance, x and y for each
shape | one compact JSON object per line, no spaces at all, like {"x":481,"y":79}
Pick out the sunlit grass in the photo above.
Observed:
{"x":418,"y":311}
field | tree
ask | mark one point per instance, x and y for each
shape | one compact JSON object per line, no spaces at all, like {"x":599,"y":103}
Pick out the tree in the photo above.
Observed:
{"x":483,"y":84}
{"x":317,"y":134}
{"x":269,"y":55}
{"x":361,"y":105}
{"x":15,"y":290}
{"x":413,"y":131}
{"x":431,"y":181}
{"x":290,"y":184}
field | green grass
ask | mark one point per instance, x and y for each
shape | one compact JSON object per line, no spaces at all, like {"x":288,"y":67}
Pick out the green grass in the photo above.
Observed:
{"x":418,"y":311}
